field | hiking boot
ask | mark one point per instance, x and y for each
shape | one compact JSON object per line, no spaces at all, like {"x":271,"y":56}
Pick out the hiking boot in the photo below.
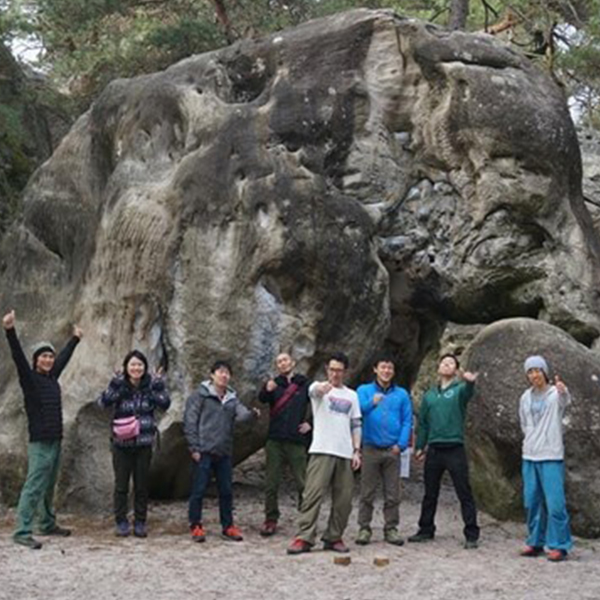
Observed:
{"x":421,"y":537}
{"x":122,"y":529}
{"x":337,"y":546}
{"x":532,"y":551}
{"x":364,"y":537}
{"x":269,"y":528}
{"x":556,"y":555}
{"x":56,"y":530}
{"x":298,"y":546}
{"x":198,"y":533}
{"x":391,"y":536}
{"x":28,"y":541}
{"x":232,"y":533}
{"x":471,"y":545}
{"x":139,"y":529}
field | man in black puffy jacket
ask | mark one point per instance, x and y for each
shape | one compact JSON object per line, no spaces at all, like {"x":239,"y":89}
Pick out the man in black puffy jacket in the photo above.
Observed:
{"x":287,"y":397}
{"x":42,"y":394}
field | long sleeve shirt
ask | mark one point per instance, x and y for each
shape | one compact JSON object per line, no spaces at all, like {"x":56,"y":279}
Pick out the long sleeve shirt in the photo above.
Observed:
{"x":41,"y":391}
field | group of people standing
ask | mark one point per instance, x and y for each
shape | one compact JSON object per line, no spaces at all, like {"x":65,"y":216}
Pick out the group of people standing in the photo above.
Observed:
{"x":344,"y":431}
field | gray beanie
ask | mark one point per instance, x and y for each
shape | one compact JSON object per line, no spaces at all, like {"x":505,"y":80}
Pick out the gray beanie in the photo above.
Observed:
{"x":537,"y":362}
{"x":40,"y":348}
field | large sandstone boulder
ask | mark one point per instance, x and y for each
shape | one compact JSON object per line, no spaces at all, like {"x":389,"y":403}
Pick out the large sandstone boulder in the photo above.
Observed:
{"x":353,"y":183}
{"x":495,"y":437}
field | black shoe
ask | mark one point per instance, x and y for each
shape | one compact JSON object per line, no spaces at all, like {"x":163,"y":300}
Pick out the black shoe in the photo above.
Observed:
{"x":421,"y":537}
{"x":28,"y":541}
{"x":56,"y":530}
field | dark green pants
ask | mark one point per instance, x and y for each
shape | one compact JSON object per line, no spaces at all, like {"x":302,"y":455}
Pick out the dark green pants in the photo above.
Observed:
{"x":37,"y":496}
{"x":278,"y":454}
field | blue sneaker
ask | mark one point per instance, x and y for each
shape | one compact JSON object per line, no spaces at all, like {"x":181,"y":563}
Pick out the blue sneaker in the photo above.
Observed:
{"x":139,"y":529}
{"x":122,"y":529}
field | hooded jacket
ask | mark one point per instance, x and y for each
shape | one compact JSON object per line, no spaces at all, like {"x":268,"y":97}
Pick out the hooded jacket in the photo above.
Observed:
{"x":208,"y":421}
{"x":544,"y":438}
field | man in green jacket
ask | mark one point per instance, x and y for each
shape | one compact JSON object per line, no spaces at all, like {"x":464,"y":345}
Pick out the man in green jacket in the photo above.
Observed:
{"x":440,"y":439}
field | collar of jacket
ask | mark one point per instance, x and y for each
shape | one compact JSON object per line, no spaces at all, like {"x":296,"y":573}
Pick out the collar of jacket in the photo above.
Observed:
{"x":209,"y":390}
{"x":390,"y":388}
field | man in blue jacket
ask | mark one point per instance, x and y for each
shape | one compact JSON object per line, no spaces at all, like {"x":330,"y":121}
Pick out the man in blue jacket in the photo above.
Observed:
{"x":387,"y":423}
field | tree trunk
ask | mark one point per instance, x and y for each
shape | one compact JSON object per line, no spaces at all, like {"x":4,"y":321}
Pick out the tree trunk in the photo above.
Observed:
{"x":459,"y":11}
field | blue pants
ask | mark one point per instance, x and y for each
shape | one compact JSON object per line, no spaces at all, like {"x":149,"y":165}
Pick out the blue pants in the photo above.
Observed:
{"x":221,"y":467}
{"x":544,"y":497}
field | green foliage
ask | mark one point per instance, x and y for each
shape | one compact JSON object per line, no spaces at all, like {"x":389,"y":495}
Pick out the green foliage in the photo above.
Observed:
{"x":90,"y":42}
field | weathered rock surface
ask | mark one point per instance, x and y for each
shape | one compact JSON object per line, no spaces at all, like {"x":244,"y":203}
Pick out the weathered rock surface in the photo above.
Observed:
{"x":353,"y":183}
{"x":29,"y":130}
{"x":589,"y":140}
{"x":498,"y":354}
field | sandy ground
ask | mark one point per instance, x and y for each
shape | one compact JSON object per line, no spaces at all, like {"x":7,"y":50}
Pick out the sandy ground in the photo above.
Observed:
{"x":93,"y":564}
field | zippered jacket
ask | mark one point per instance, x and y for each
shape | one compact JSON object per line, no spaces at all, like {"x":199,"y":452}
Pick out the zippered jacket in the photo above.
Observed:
{"x":208,"y":421}
{"x":388,"y":423}
{"x":41,"y":391}
{"x":442,"y":414}
{"x":284,"y":425}
{"x":129,"y":401}
{"x":544,"y":440}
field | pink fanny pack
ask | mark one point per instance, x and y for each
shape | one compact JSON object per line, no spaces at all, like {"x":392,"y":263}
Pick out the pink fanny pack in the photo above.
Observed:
{"x":126,"y":428}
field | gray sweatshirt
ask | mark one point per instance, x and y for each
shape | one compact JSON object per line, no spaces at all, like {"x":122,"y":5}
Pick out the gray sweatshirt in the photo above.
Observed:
{"x":208,"y":421}
{"x":541,"y":418}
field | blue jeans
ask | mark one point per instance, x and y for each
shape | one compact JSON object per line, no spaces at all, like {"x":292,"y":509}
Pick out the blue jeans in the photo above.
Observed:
{"x":544,"y":498}
{"x":202,"y":470}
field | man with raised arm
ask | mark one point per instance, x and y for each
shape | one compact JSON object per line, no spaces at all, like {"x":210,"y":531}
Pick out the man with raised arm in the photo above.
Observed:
{"x":43,"y":405}
{"x":386,"y":425}
{"x":287,"y":397}
{"x":441,"y":440}
{"x":334,"y":454}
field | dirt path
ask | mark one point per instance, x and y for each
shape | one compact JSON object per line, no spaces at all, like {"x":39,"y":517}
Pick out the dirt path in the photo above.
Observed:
{"x":94,"y":565}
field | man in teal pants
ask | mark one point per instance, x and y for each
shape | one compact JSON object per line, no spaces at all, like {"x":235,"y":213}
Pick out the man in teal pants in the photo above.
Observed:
{"x":42,"y":394}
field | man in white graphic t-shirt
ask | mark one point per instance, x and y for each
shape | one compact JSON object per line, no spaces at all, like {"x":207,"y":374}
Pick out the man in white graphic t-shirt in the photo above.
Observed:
{"x":334,"y":454}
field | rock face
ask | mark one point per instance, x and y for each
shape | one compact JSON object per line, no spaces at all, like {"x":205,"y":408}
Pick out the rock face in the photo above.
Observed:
{"x":498,"y":354}
{"x":29,"y":130}
{"x":353,"y":183}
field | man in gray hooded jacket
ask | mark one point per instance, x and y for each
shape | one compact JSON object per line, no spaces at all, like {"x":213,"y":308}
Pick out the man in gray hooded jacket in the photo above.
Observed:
{"x":210,"y":415}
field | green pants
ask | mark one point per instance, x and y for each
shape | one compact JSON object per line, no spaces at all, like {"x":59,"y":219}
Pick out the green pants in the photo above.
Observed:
{"x":37,"y":495}
{"x":278,"y":454}
{"x":326,"y":473}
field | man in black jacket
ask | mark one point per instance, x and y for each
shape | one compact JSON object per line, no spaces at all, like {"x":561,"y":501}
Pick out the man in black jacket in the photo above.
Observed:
{"x":42,"y":394}
{"x":287,"y":397}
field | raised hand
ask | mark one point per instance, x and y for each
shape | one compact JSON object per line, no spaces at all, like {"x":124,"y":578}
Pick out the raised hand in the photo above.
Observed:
{"x":77,"y":331}
{"x":470,"y":377}
{"x":561,"y":388}
{"x":8,"y":321}
{"x":271,"y":385}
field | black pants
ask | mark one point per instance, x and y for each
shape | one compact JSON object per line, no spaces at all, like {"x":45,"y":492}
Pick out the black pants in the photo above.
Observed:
{"x":127,"y":462}
{"x":454,"y":460}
